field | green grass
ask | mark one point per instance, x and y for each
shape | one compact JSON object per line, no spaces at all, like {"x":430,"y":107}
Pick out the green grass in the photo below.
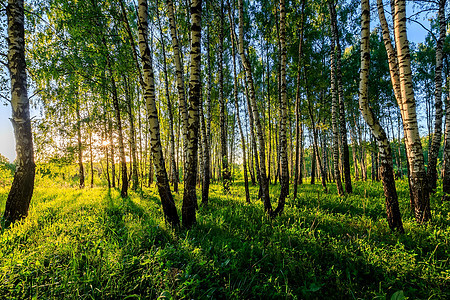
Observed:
{"x":91,"y":244}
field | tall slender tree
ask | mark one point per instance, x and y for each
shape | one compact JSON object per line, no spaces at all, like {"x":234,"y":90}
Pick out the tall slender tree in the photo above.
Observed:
{"x":284,"y":178}
{"x":437,"y":136}
{"x":173,"y":164}
{"x":419,"y":184}
{"x":168,"y":204}
{"x":263,"y":180}
{"x":236,"y":105}
{"x":179,"y":71}
{"x":206,"y":124}
{"x":19,"y":196}
{"x":226,"y":175}
{"x":133,"y":147}
{"x":115,"y":98}
{"x":446,"y":150}
{"x":336,"y":51}
{"x":190,"y":197}
{"x":298,"y":126}
{"x":387,"y":172}
{"x":79,"y":143}
{"x":334,"y":122}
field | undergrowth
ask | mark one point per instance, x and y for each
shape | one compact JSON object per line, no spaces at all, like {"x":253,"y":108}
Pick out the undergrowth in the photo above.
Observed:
{"x":91,"y":244}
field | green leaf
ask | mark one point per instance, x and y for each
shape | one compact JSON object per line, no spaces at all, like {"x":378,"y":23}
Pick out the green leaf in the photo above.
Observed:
{"x":398,"y":296}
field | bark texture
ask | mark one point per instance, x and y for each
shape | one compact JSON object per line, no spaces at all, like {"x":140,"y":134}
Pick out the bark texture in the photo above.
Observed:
{"x":19,"y":196}
{"x":190,"y":197}
{"x":206,"y":128}
{"x":179,"y":70}
{"x":263,"y":180}
{"x":236,"y":105}
{"x":342,"y":127}
{"x":173,"y":165}
{"x":437,"y":136}
{"x":387,"y":174}
{"x":284,"y":178}
{"x":334,"y":112}
{"x":168,"y":204}
{"x":446,"y":170}
{"x":419,"y":184}
{"x":226,"y":175}
{"x":298,"y":126}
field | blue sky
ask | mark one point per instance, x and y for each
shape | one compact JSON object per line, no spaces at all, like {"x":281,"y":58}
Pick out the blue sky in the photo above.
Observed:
{"x":416,"y":34}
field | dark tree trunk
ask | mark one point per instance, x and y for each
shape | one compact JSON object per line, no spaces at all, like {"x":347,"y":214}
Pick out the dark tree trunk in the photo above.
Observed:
{"x":123,"y":163}
{"x":108,"y":178}
{"x":134,"y":169}
{"x":80,"y":145}
{"x":111,"y":145}
{"x":313,"y":165}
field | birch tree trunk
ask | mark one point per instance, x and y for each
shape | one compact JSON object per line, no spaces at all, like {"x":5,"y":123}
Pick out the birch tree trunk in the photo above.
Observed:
{"x":436,"y":141}
{"x":298,"y":133}
{"x":263,"y":182}
{"x":173,"y":164}
{"x":387,"y":174}
{"x":342,"y":127}
{"x":315,"y":158}
{"x":133,"y":148}
{"x":284,"y":174}
{"x":236,"y":105}
{"x":168,"y":204}
{"x":190,"y":197}
{"x":179,"y":72}
{"x":253,"y":147}
{"x":206,"y":128}
{"x":419,"y":184}
{"x":446,"y":170}
{"x":21,"y":191}
{"x":123,"y":163}
{"x":334,"y":112}
{"x":395,"y":80}
{"x":80,"y":144}
{"x":91,"y":157}
{"x":222,"y":117}
{"x":111,"y":145}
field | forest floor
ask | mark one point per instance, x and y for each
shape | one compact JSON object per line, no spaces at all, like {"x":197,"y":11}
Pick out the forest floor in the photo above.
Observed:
{"x":91,"y":244}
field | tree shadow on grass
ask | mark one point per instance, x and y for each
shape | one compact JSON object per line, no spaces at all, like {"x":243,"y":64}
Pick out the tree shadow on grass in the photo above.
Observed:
{"x":280,"y":258}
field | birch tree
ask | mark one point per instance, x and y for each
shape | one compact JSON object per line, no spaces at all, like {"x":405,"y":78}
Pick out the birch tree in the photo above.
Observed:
{"x":387,"y":172}
{"x":400,"y":70}
{"x":437,"y":136}
{"x":190,"y":197}
{"x":21,"y":191}
{"x":168,"y":204}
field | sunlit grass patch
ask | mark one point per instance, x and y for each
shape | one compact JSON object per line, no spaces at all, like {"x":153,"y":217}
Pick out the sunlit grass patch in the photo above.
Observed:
{"x":93,"y":244}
